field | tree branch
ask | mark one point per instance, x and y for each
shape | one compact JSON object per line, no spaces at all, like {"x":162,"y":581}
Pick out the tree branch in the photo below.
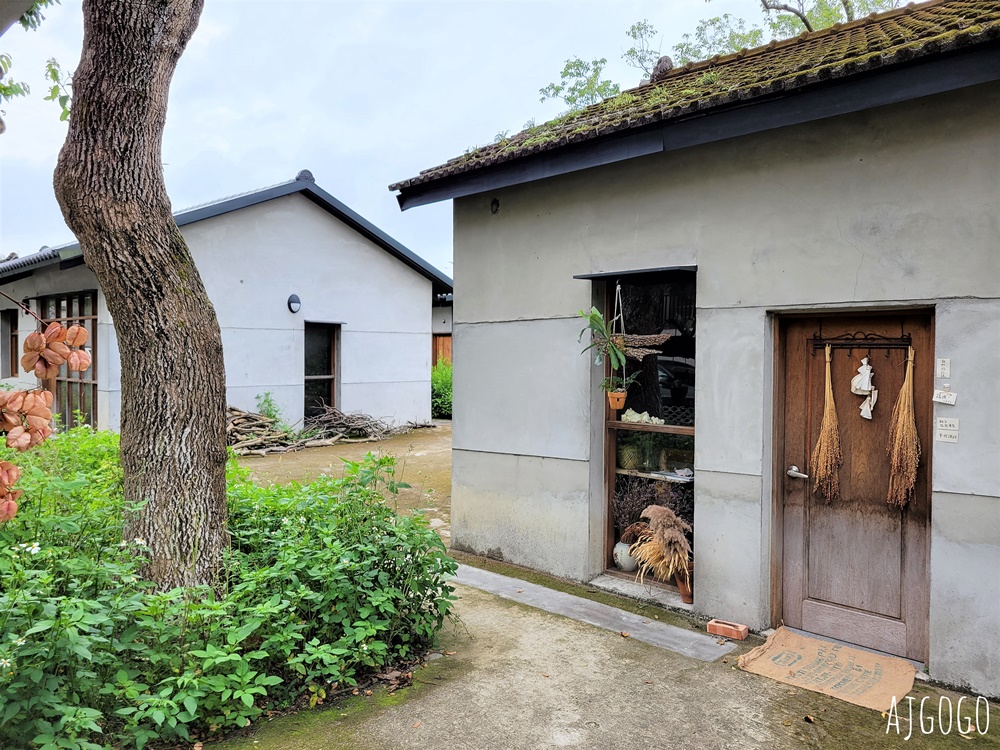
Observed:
{"x":848,"y":9}
{"x":797,"y":12}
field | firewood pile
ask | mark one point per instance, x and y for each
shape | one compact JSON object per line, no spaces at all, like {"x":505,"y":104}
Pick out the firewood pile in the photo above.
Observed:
{"x":248,"y":433}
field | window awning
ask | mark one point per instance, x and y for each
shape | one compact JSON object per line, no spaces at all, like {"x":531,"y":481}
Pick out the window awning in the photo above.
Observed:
{"x":633,"y":272}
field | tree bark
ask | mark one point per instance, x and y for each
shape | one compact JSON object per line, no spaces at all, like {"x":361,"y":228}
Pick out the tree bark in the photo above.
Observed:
{"x":109,"y":183}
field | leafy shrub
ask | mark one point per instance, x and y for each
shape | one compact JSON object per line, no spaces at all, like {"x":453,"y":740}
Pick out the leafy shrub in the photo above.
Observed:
{"x":441,"y":390}
{"x":325,"y":585}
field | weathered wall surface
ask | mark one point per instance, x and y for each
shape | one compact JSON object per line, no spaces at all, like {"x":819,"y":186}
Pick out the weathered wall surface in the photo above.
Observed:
{"x":251,"y":260}
{"x":890,"y":207}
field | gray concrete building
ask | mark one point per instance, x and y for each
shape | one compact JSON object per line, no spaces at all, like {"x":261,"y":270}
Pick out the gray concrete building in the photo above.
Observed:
{"x":315,"y":303}
{"x":838,"y":188}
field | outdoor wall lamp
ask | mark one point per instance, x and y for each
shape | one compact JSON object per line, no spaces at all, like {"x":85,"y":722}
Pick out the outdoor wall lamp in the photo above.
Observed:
{"x":294,"y":303}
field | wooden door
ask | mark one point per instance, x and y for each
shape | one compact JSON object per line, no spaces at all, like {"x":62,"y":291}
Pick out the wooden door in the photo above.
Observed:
{"x":75,"y":393}
{"x":855,"y":569}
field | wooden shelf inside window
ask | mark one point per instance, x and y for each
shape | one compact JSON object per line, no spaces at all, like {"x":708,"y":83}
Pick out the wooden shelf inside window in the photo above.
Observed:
{"x":616,"y":424}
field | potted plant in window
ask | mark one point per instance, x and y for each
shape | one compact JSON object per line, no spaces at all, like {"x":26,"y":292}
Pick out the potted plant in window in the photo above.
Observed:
{"x":617,"y":389}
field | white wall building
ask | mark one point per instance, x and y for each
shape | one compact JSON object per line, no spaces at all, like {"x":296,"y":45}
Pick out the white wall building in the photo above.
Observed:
{"x":359,"y":338}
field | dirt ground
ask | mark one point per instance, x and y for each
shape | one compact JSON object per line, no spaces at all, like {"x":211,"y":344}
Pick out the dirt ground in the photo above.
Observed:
{"x":423,"y":461}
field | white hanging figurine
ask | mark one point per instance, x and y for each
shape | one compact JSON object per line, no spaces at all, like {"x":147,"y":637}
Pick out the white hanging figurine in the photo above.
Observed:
{"x":861,"y":385}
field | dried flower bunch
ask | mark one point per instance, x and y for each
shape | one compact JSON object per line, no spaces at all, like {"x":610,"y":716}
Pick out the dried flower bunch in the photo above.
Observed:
{"x":26,"y":416}
{"x":663,"y":549}
{"x":632,"y":495}
{"x":634,"y":532}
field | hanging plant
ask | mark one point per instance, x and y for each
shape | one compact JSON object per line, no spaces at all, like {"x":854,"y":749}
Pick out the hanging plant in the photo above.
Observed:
{"x":826,"y":457}
{"x":601,"y":339}
{"x":904,"y":443}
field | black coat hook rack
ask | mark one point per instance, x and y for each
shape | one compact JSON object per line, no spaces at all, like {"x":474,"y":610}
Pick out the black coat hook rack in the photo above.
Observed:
{"x":861,"y":340}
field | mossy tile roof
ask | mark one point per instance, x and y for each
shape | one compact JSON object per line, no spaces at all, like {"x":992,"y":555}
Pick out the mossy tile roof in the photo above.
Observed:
{"x":840,"y":52}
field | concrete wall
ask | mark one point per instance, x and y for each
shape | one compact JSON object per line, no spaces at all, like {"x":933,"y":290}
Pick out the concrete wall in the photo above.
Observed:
{"x":251,"y":260}
{"x":891,"y":207}
{"x":441,"y":319}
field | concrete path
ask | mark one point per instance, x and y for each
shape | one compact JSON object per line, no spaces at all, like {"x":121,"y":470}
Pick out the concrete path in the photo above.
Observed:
{"x":685,"y":642}
{"x":515,"y":677}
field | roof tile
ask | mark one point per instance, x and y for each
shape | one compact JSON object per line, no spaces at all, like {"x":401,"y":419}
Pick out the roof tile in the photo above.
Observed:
{"x":837,"y":52}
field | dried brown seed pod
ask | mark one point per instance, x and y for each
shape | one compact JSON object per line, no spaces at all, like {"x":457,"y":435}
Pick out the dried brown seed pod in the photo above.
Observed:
{"x":28,"y":361}
{"x":36,"y":422}
{"x":53,"y":357}
{"x":55,"y":333}
{"x":8,"y":509}
{"x":77,"y":336}
{"x":15,"y":400}
{"x":19,"y":439}
{"x":78,"y":360}
{"x":34,"y":342}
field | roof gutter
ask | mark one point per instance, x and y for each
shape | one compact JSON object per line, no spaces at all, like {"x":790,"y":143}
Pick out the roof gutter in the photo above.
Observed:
{"x":876,"y":89}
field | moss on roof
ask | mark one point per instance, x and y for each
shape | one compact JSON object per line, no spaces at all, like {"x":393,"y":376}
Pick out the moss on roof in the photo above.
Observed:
{"x":839,"y":52}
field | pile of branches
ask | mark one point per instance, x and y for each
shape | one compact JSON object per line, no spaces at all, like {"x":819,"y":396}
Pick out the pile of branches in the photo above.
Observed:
{"x":257,"y":434}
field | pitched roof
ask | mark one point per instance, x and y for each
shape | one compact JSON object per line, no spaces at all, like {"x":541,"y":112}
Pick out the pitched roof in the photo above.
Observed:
{"x":843,"y":51}
{"x":303,"y":183}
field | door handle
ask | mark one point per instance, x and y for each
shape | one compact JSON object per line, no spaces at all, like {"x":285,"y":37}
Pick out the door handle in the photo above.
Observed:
{"x":793,"y":471}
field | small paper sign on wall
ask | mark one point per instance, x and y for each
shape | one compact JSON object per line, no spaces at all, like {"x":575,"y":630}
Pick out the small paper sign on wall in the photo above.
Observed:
{"x":946,"y":436}
{"x":945,"y":397}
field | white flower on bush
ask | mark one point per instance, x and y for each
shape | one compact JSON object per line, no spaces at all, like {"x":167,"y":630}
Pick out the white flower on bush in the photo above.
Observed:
{"x":4,"y":663}
{"x":364,"y":646}
{"x":21,"y":641}
{"x":139,"y":541}
{"x":34,"y":548}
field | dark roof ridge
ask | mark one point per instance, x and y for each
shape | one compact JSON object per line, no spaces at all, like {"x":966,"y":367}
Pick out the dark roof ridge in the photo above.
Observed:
{"x":303,"y":183}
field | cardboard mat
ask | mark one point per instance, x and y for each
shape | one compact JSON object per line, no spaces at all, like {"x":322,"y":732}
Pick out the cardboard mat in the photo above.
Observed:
{"x":856,"y":676}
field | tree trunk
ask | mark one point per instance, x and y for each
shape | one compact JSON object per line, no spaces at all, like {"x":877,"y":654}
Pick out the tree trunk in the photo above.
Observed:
{"x":109,"y":183}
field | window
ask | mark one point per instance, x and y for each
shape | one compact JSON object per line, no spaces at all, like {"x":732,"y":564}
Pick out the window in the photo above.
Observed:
{"x":658,"y":451}
{"x":320,"y":367}
{"x":75,"y":392}
{"x":10,"y":355}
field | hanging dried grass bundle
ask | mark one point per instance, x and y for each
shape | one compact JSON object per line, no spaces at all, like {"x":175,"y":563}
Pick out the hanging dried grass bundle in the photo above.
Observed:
{"x":827,"y":458}
{"x":904,"y":443}
{"x":663,"y":549}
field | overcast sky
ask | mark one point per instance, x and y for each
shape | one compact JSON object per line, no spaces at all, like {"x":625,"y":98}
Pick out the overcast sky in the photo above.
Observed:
{"x":362,"y":93}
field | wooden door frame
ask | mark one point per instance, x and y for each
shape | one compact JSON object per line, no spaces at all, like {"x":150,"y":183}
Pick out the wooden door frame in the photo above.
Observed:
{"x":776,"y":320}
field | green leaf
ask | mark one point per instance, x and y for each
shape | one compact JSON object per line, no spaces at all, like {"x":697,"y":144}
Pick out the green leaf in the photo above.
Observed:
{"x":247,"y":699}
{"x":40,"y":626}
